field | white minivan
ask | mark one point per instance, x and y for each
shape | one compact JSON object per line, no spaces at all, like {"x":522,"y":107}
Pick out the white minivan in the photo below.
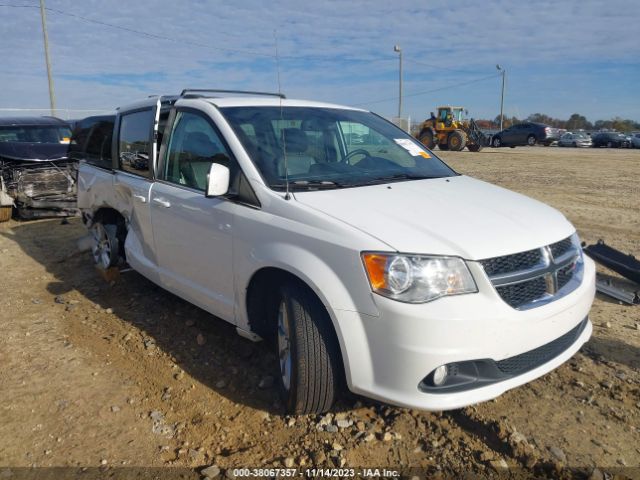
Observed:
{"x":343,"y":240}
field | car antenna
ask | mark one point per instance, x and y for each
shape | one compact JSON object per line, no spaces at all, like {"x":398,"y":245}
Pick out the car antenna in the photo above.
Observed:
{"x":287,"y":196}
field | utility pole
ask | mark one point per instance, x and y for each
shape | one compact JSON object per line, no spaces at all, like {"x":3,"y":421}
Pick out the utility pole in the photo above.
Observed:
{"x":500,"y":69}
{"x":399,"y":50}
{"x":52,"y":98}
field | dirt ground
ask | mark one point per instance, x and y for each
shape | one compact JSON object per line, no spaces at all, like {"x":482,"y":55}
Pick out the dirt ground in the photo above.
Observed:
{"x":123,"y":374}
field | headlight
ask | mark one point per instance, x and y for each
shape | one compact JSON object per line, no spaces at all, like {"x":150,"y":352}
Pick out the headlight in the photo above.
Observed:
{"x":417,"y":278}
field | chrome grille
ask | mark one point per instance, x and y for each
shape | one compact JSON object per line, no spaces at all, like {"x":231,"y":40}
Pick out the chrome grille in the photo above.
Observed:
{"x":522,"y":293}
{"x":535,"y":277}
{"x":511,"y":263}
{"x":560,"y":248}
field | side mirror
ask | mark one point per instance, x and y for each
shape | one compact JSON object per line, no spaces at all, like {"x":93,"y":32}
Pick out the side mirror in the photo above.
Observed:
{"x":217,"y":180}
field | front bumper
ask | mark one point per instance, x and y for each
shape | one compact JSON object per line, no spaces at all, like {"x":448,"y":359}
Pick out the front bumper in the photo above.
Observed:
{"x":388,"y":356}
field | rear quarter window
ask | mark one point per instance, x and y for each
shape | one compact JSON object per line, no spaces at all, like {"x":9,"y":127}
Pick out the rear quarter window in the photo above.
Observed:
{"x":91,"y":142}
{"x":134,"y":143}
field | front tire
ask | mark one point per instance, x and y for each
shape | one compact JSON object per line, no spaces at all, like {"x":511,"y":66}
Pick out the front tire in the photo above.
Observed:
{"x":496,"y":142}
{"x":531,"y":140}
{"x":307,"y":352}
{"x":457,"y":141}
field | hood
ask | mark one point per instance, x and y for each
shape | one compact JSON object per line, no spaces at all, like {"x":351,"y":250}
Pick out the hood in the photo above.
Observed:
{"x":457,"y":216}
{"x":33,"y":152}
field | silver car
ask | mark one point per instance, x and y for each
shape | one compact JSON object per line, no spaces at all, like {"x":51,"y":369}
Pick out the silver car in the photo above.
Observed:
{"x":634,"y":138}
{"x":577,"y":139}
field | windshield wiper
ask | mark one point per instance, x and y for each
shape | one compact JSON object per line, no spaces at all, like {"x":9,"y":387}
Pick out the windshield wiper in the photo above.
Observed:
{"x":309,"y":185}
{"x":396,"y":177}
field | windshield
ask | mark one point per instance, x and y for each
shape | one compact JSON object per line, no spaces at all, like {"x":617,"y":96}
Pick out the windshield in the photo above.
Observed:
{"x":35,"y":134}
{"x":329,"y":148}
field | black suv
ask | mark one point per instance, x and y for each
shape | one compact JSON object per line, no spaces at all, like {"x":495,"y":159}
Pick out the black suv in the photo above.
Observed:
{"x":610,"y":139}
{"x":528,"y":133}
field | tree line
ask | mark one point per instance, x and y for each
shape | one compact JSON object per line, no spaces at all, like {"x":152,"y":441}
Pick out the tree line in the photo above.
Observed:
{"x":575,"y":122}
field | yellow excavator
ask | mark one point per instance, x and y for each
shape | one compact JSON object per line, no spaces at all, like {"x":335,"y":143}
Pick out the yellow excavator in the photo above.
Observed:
{"x":450,"y":131}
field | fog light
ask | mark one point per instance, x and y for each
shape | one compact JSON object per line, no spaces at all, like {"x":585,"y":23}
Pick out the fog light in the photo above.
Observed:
{"x":439,"y":375}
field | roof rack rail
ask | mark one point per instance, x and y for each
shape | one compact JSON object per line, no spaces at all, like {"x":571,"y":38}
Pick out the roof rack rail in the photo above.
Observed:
{"x":198,"y":92}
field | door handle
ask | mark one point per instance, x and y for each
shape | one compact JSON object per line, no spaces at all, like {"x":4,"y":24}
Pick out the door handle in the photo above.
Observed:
{"x":162,"y":202}
{"x":142,"y":198}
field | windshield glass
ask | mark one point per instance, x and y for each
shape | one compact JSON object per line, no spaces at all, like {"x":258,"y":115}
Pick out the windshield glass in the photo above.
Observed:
{"x":329,"y":148}
{"x":35,"y":134}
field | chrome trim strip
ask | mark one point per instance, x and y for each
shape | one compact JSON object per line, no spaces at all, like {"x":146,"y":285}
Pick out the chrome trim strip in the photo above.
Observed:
{"x":575,"y":282}
{"x":534,"y":272}
{"x":548,"y":268}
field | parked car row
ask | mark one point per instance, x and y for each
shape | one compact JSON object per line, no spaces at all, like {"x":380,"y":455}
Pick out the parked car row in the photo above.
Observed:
{"x":611,"y":140}
{"x":531,"y":133}
{"x":577,"y":139}
{"x":527,"y":133}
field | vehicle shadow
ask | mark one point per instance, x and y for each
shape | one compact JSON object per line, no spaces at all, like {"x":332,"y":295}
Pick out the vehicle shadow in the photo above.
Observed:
{"x":203,"y":346}
{"x":613,"y":350}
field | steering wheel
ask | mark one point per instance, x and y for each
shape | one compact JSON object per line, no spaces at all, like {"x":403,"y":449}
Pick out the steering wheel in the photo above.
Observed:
{"x":359,"y":151}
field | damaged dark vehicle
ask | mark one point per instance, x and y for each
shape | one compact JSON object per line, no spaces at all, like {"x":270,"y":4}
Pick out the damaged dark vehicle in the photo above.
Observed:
{"x":36,"y":175}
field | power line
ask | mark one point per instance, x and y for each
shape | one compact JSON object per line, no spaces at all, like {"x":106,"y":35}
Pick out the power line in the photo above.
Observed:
{"x":141,"y":32}
{"x":416,"y":94}
{"x":436,"y":67}
{"x":201,"y":45}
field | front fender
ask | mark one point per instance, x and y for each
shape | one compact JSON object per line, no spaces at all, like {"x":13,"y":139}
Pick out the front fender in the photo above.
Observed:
{"x":344,"y":291}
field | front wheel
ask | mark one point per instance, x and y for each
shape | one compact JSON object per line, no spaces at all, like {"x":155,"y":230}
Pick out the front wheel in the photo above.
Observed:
{"x":531,"y":140}
{"x":457,"y":140}
{"x":307,"y":351}
{"x":496,"y":142}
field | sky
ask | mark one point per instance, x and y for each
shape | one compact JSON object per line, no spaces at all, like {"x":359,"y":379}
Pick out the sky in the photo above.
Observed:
{"x":560,"y":57}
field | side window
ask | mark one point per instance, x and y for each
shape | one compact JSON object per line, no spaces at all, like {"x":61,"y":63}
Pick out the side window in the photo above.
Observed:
{"x":193,"y":146}
{"x":98,"y":150}
{"x":134,"y":142}
{"x":91,"y":141}
{"x":354,"y":135}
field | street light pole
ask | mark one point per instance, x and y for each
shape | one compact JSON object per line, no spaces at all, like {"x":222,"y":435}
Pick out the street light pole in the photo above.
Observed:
{"x":399,"y":50}
{"x":500,"y":69}
{"x":52,"y":98}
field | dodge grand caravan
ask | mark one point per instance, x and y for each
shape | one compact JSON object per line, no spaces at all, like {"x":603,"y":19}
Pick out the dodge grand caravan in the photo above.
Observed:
{"x":371,"y":262}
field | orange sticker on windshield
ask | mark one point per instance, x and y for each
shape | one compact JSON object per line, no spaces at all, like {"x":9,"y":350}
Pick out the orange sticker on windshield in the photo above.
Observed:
{"x":425,"y":154}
